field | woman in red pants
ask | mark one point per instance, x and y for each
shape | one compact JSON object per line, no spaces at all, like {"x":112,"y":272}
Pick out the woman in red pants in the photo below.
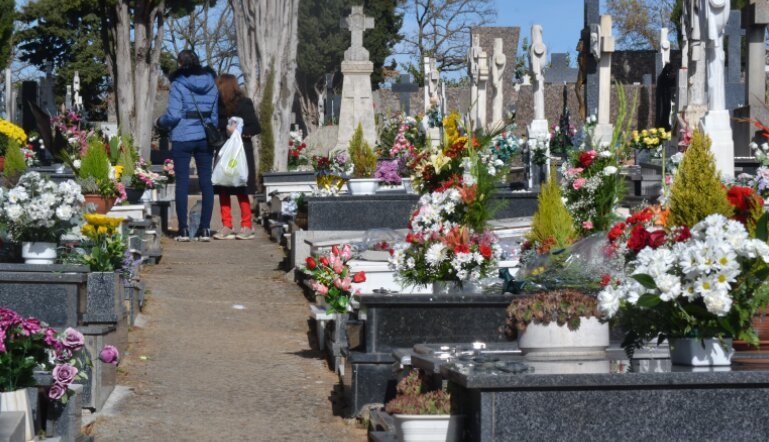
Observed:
{"x":233,"y":103}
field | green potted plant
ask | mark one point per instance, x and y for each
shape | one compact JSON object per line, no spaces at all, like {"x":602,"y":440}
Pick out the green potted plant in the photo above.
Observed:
{"x":364,"y":161}
{"x":100,"y":189}
{"x":421,"y":413}
{"x":9,"y":132}
{"x":15,"y":164}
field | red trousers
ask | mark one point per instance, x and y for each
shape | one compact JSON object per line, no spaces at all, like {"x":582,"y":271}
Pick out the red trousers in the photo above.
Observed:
{"x":245,"y":210}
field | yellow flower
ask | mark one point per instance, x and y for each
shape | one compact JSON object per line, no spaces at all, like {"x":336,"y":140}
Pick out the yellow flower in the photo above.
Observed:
{"x":439,"y":161}
{"x":118,"y":172}
{"x":653,"y":131}
{"x":87,"y":230}
{"x":102,"y":230}
{"x":644,"y":133}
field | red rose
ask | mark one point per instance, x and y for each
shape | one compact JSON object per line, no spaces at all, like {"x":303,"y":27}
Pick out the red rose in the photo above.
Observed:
{"x":335,"y":250}
{"x":311,"y":264}
{"x":640,"y":217}
{"x":324,"y":261}
{"x":683,"y":234}
{"x":616,"y":231}
{"x":639,"y":238}
{"x":359,"y":277}
{"x":409,"y":237}
{"x":605,"y":280}
{"x":656,"y":239}
{"x":744,"y":200}
{"x":586,"y":159}
{"x":290,"y":142}
{"x":485,"y":251}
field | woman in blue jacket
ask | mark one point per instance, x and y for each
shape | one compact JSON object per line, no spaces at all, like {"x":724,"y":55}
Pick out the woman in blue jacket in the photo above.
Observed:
{"x":192,"y":85}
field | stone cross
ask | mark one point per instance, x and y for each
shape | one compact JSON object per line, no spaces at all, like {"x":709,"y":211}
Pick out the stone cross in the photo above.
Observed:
{"x":559,"y":71}
{"x":483,"y":78}
{"x":357,"y":22}
{"x":426,"y":82}
{"x":78,"y":100}
{"x":473,"y":55}
{"x":497,"y":71}
{"x":405,"y":88}
{"x":537,"y":61}
{"x":432,"y":77}
{"x":604,"y":130}
{"x":592,"y":18}
{"x":664,"y":47}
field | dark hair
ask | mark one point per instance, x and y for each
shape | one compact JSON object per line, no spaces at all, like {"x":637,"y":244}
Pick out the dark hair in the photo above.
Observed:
{"x":188,"y":59}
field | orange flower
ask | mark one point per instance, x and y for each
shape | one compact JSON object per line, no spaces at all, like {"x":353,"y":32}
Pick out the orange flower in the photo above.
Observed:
{"x":456,"y":238}
{"x":659,"y":215}
{"x":468,"y":193}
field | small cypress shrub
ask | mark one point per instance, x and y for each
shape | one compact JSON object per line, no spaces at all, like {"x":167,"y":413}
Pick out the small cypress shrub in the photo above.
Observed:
{"x":266,"y":109}
{"x":15,"y":165}
{"x":697,"y":191}
{"x":552,"y":223}
{"x":362,"y":155}
{"x":95,"y":163}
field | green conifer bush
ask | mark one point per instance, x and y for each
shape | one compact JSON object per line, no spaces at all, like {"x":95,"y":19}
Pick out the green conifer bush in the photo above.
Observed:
{"x":362,"y":155}
{"x":552,"y":221}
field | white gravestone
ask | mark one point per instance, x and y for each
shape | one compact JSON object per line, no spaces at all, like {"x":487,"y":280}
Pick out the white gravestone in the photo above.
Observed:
{"x":604,"y":129}
{"x":483,"y":79}
{"x":432,"y":78}
{"x":664,"y":46}
{"x":497,"y":72}
{"x":426,"y":89}
{"x":717,"y":122}
{"x":357,"y":106}
{"x":77,"y":100}
{"x":473,"y":55}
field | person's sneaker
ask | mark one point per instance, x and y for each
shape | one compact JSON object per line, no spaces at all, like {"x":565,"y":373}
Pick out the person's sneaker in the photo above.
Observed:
{"x":225,"y":233}
{"x":203,"y":235}
{"x":183,"y":235}
{"x":246,"y":233}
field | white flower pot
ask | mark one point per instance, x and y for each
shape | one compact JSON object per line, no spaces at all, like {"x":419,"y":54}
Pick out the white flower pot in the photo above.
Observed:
{"x":700,"y":353}
{"x":425,"y":428}
{"x":552,"y":341}
{"x":363,"y":186}
{"x":38,"y":252}
{"x":407,"y":185}
{"x":19,"y":401}
{"x":453,"y":288}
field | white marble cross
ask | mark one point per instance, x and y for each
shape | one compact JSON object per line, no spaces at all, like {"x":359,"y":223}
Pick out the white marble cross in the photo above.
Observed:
{"x":357,"y":22}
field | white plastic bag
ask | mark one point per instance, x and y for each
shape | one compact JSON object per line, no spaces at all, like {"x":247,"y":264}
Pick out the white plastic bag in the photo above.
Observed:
{"x":231,"y":169}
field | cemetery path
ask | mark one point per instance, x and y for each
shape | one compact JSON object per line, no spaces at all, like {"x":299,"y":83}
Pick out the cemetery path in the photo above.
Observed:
{"x":202,"y":370}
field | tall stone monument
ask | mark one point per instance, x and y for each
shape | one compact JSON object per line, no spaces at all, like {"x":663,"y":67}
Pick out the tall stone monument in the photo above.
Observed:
{"x":77,"y":100}
{"x":602,"y":46}
{"x":432,"y":78}
{"x":357,"y":106}
{"x":497,"y":71}
{"x":717,"y":122}
{"x":696,"y":105}
{"x":664,"y":47}
{"x":537,"y":62}
{"x":588,"y":63}
{"x":755,"y":19}
{"x":483,"y":81}
{"x":473,"y":72}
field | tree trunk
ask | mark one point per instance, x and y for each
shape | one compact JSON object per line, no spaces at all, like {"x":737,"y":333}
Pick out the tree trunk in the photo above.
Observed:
{"x":267,"y":38}
{"x":116,"y":35}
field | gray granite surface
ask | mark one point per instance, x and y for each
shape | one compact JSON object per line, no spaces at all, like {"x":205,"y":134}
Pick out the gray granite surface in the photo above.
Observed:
{"x":12,"y":426}
{"x":104,"y":299}
{"x":287,"y":177}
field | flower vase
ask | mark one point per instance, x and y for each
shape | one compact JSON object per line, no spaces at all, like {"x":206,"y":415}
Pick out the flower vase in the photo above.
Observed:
{"x":407,"y":184}
{"x":453,"y":288}
{"x":133,"y":194}
{"x":18,"y":400}
{"x":425,"y":428}
{"x":102,"y":205}
{"x":363,"y":186}
{"x":553,"y":341}
{"x":707,"y":352}
{"x":35,"y":252}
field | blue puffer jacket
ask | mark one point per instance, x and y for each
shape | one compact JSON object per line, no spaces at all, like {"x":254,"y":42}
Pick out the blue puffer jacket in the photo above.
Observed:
{"x":181,"y":116}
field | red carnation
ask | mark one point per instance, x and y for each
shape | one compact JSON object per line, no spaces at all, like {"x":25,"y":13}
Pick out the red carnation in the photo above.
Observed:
{"x":639,"y":238}
{"x":605,"y":280}
{"x":744,"y":200}
{"x":485,"y":251}
{"x":683,"y":234}
{"x":311,"y":264}
{"x":586,"y":158}
{"x":324,"y":261}
{"x":290,"y":142}
{"x":359,"y":277}
{"x":462,"y":248}
{"x":640,"y":217}
{"x":617,"y":231}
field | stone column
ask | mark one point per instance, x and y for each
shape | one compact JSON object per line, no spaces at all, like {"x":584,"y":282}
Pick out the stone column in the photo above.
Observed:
{"x":473,"y":55}
{"x":483,"y":78}
{"x":426,"y":73}
{"x":696,"y":106}
{"x":497,"y":71}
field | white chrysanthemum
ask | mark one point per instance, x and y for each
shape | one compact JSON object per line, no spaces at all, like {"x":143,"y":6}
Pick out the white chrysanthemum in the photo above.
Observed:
{"x":608,"y":301}
{"x":462,"y":274}
{"x":704,"y":286}
{"x":609,"y":170}
{"x":64,"y":212}
{"x":669,"y":286}
{"x":14,"y":212}
{"x":435,"y":254}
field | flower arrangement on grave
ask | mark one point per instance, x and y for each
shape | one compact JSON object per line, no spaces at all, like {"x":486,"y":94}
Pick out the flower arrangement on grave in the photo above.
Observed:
{"x":40,"y":210}
{"x":562,"y":139}
{"x":389,"y":172}
{"x":297,"y":151}
{"x":70,"y":125}
{"x":505,"y":145}
{"x":331,"y":171}
{"x":400,"y":136}
{"x":10,"y":132}
{"x":331,"y":277}
{"x":28,"y":344}
{"x":96,"y":174}
{"x":30,"y":157}
{"x":168,"y":171}
{"x":539,"y":150}
{"x":562,"y":306}
{"x":650,"y":140}
{"x":144,"y":178}
{"x":691,"y":271}
{"x":102,"y":248}
{"x":592,"y":187}
{"x":364,"y":160}
{"x":414,"y":397}
{"x":433,"y":115}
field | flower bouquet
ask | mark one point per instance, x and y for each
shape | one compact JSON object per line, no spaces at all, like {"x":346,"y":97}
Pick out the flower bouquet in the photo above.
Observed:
{"x":650,"y":140}
{"x":562,"y":139}
{"x":332,"y":171}
{"x":28,"y":344}
{"x":297,"y":151}
{"x":39,"y":210}
{"x":168,"y":171}
{"x":103,"y":248}
{"x":331,"y":277}
{"x":144,"y":178}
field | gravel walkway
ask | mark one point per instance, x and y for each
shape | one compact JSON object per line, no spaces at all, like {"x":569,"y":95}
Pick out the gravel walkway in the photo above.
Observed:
{"x":202,"y":370}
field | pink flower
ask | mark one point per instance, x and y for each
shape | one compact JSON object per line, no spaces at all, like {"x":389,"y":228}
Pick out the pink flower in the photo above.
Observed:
{"x":343,"y":284}
{"x":346,"y":252}
{"x":587,"y":225}
{"x":574,"y":171}
{"x":338,"y":267}
{"x":30,"y":326}
{"x":578,"y":183}
{"x":109,"y":355}
{"x":57,"y":391}
{"x":319,"y":288}
{"x":72,"y":339}
{"x":64,"y":374}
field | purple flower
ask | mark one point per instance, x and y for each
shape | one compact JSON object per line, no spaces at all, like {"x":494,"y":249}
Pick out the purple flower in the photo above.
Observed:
{"x":57,"y":391}
{"x":387,"y":172}
{"x":49,"y":337}
{"x":30,"y":326}
{"x":72,"y":339}
{"x":109,"y":355}
{"x":64,"y":373}
{"x":63,"y":354}
{"x":2,"y":340}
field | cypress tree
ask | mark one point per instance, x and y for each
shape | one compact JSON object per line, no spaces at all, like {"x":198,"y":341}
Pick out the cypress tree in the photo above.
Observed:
{"x":552,"y":221}
{"x":697,"y":191}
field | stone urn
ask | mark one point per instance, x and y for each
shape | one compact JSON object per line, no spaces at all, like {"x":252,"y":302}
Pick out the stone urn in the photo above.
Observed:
{"x":552,"y":341}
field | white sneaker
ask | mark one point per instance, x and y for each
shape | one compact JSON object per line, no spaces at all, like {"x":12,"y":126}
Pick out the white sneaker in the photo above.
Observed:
{"x":225,"y":233}
{"x":246,"y":233}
